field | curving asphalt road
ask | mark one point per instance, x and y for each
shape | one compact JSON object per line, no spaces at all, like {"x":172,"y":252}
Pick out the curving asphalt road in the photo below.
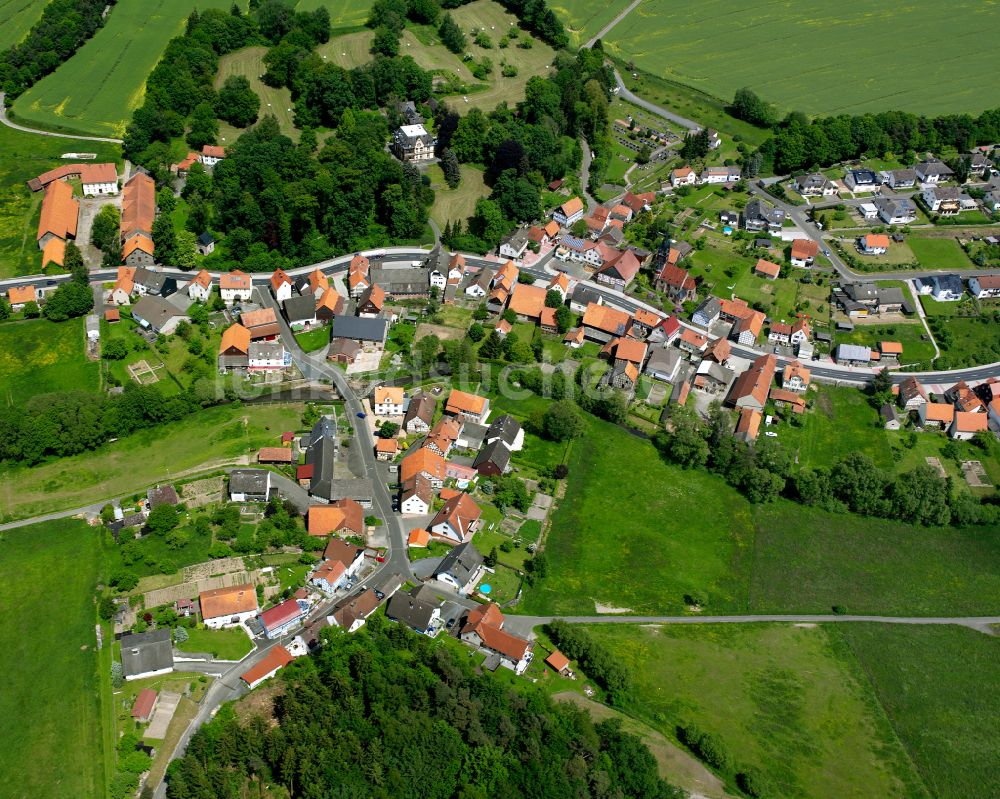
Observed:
{"x":660,"y":111}
{"x":6,"y":121}
{"x":402,"y":255}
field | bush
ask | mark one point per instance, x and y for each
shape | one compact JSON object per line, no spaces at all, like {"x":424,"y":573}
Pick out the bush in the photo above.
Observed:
{"x":751,"y":783}
{"x":180,"y":635}
{"x":117,"y":675}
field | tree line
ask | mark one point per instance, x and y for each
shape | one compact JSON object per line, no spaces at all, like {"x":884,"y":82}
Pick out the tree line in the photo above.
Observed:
{"x":63,"y":27}
{"x":801,"y":143}
{"x":854,"y":483}
{"x":405,"y":716}
{"x":70,"y":422}
{"x":595,"y":659}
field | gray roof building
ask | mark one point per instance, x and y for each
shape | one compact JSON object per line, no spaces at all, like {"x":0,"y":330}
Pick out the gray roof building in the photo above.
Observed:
{"x":401,"y":283}
{"x":147,"y":654}
{"x":416,"y":613}
{"x":321,"y":456}
{"x":157,"y":314}
{"x":325,"y":427}
{"x":359,"y":489}
{"x":460,"y":565}
{"x":493,"y":458}
{"x":853,"y":353}
{"x":249,"y":482}
{"x":504,"y":428}
{"x":299,"y":309}
{"x":359,"y":328}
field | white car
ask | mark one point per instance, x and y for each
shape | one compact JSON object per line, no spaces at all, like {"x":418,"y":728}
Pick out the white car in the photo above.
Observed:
{"x":771,"y":434}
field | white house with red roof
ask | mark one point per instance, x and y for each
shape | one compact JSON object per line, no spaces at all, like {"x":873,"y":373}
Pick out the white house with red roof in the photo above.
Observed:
{"x":281,"y":618}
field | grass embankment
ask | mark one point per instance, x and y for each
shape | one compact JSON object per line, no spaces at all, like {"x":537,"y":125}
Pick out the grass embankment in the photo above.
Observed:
{"x":787,"y":702}
{"x":939,"y":687}
{"x":38,"y":356}
{"x":675,"y":42}
{"x":96,"y":90}
{"x":50,"y":708}
{"x":211,"y":436}
{"x":636,"y":533}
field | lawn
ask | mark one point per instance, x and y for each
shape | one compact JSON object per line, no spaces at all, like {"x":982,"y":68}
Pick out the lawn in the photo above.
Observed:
{"x":585,"y":18}
{"x":807,"y":560}
{"x":917,"y":348}
{"x":458,"y":204}
{"x":503,"y":584}
{"x":50,"y":707}
{"x":939,"y":253}
{"x":633,"y":532}
{"x":939,"y":687}
{"x":788,"y":702}
{"x":816,"y":66}
{"x":232,"y":644}
{"x":314,"y":340}
{"x":840,"y":421}
{"x":16,"y":19}
{"x":38,"y":356}
{"x":97,"y":89}
{"x":212,"y":436}
{"x":249,"y":62}
{"x":23,"y":156}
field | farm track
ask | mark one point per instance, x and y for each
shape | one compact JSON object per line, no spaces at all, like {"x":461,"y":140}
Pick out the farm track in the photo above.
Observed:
{"x":6,"y":121}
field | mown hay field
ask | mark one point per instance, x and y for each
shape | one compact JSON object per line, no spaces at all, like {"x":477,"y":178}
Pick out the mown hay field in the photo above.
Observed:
{"x":821,"y":58}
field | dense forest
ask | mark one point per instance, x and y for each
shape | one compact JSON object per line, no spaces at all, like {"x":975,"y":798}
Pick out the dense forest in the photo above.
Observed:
{"x":63,"y":27}
{"x":800,"y":143}
{"x":389,"y":713}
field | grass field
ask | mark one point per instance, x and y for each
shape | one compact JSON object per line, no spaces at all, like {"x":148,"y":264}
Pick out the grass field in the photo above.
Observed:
{"x":211,"y":435}
{"x":16,"y":19}
{"x":807,"y":560}
{"x":343,"y":13}
{"x":939,"y":686}
{"x":634,"y":532}
{"x":840,"y":422}
{"x":314,"y":340}
{"x":38,"y":356}
{"x":451,"y":205}
{"x":249,"y":62}
{"x":422,"y":44}
{"x":23,"y":156}
{"x":585,"y":18}
{"x":814,"y":63}
{"x":789,"y":702}
{"x":916,"y":347}
{"x":50,"y":707}
{"x":230,"y":644}
{"x":939,"y":253}
{"x":96,"y":90}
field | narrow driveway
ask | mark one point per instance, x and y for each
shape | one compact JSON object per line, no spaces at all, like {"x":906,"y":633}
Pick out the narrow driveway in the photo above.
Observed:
{"x":660,"y":111}
{"x":604,"y":31}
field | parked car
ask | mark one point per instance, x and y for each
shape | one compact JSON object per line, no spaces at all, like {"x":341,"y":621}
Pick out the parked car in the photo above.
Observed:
{"x":360,"y":415}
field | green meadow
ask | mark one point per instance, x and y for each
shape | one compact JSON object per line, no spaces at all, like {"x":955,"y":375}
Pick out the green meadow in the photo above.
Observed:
{"x":38,"y":356}
{"x":16,"y":19}
{"x":818,"y":57}
{"x":96,"y":90}
{"x":50,"y":706}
